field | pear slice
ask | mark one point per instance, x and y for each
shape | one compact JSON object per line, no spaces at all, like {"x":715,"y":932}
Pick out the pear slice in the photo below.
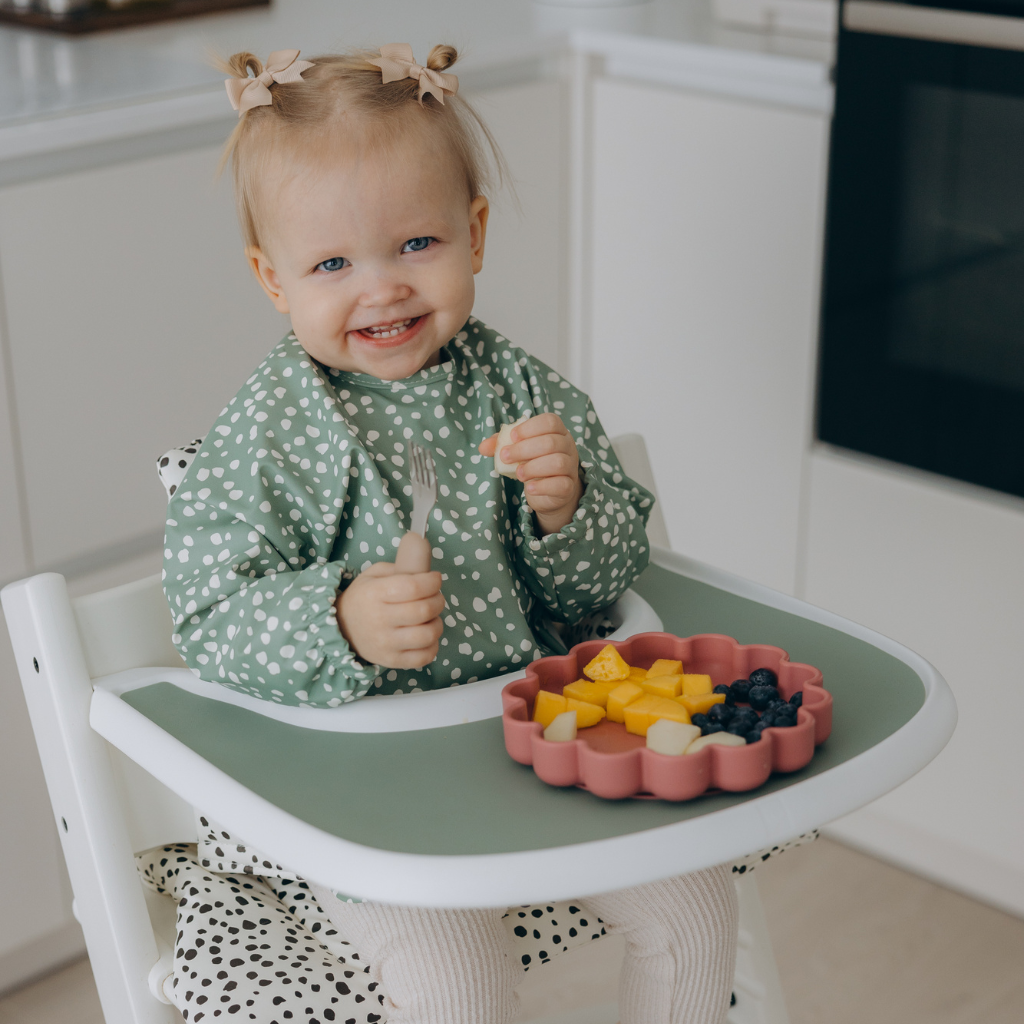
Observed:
{"x":723,"y":739}
{"x":562,"y":728}
{"x":504,"y":439}
{"x":668,"y":737}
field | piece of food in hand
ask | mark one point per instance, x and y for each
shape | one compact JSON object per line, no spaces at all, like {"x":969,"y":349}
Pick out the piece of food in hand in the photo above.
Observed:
{"x":702,"y":704}
{"x":663,"y":686}
{"x":562,"y":728}
{"x":696,"y":685}
{"x":665,"y":667}
{"x":643,"y":713}
{"x":668,"y":737}
{"x":588,"y":692}
{"x":505,"y":439}
{"x":725,"y":739}
{"x":620,"y":698}
{"x":586,"y":714}
{"x":763,"y":677}
{"x":637,"y":675}
{"x":608,"y":666}
{"x":547,"y":705}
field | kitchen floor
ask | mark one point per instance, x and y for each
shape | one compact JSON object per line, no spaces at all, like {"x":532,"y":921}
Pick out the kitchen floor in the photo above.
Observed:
{"x":856,"y":941}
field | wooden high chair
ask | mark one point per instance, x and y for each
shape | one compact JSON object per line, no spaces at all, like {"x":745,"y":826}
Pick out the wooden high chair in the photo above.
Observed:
{"x":127,"y":753}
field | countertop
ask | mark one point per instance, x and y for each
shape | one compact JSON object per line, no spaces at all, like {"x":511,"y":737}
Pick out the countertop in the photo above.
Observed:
{"x":58,"y":91}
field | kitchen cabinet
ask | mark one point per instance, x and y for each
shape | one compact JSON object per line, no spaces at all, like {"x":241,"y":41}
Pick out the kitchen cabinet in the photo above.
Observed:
{"x":939,"y":566}
{"x":706,"y":217}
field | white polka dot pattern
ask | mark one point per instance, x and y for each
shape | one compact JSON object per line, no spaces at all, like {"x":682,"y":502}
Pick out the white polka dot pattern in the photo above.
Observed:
{"x":302,"y":483}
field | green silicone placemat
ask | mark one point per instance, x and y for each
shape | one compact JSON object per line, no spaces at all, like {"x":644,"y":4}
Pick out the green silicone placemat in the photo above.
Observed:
{"x":456,"y":791}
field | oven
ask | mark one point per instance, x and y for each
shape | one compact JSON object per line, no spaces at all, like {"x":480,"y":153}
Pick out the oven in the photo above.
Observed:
{"x":922,"y":342}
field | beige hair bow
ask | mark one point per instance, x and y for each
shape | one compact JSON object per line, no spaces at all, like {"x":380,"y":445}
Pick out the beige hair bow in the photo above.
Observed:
{"x":282,"y":67}
{"x":395,"y":62}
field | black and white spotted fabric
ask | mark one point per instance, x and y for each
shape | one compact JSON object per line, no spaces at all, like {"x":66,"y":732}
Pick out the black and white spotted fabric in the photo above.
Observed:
{"x":172,"y":466}
{"x":257,"y":948}
{"x":754,"y":860}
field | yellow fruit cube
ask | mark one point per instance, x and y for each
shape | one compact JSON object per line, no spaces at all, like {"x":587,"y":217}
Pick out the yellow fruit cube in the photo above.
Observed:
{"x":696,"y":686}
{"x":623,"y":695}
{"x":665,"y":667}
{"x":586,"y":714}
{"x":702,"y":704}
{"x":588,"y":692}
{"x":637,"y":675}
{"x":546,"y":706}
{"x":643,"y":713}
{"x":607,"y":667}
{"x":663,"y":686}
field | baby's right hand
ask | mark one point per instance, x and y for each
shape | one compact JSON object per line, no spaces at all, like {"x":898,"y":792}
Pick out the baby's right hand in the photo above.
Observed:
{"x":392,"y":618}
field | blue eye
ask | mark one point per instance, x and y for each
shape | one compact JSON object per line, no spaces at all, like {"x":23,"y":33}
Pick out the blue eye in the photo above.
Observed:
{"x":418,"y":244}
{"x":334,"y":263}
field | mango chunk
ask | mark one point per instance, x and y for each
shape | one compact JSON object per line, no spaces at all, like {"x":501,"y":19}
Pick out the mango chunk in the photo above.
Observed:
{"x":724,"y":739}
{"x":697,"y":685}
{"x":665,"y":667}
{"x":663,"y":686}
{"x":588,"y":692}
{"x":562,"y":728}
{"x":586,"y":714}
{"x":668,"y":737}
{"x":546,"y":706}
{"x":702,"y":704}
{"x":623,"y":695}
{"x":637,"y":675}
{"x":641,"y":714}
{"x":608,"y":666}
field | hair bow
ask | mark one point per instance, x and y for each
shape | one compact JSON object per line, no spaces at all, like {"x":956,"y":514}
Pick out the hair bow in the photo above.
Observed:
{"x":282,"y":67}
{"x":395,"y":62}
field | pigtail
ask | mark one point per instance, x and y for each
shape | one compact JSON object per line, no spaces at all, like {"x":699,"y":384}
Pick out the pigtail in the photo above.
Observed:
{"x":442,"y":57}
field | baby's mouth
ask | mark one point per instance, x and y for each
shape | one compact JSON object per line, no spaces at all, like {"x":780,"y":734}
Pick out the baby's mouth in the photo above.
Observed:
{"x":382,"y":332}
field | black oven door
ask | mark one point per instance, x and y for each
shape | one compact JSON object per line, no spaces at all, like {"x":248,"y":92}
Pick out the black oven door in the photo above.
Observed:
{"x":922,"y":356}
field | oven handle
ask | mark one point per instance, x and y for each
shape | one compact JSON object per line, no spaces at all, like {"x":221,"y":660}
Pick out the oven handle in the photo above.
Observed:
{"x":932,"y":23}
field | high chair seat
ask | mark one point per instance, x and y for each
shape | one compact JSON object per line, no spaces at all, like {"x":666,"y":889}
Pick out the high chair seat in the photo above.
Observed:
{"x":441,"y":816}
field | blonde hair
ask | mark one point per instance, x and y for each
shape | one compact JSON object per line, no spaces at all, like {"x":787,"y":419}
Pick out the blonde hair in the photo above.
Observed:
{"x":344,"y":93}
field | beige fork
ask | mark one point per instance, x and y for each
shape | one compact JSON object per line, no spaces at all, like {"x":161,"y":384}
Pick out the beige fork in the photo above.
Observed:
{"x":414,"y":550}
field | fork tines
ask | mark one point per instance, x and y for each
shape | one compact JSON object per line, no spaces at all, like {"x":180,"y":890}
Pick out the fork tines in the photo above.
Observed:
{"x":424,"y":486}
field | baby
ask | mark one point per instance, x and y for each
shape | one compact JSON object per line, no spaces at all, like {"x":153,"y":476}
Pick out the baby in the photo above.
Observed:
{"x":359,"y":181}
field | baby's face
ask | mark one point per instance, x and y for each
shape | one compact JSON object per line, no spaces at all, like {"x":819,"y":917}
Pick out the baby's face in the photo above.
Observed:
{"x":373,"y":256}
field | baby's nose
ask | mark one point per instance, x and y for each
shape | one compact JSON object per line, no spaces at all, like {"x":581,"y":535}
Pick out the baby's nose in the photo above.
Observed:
{"x":384,"y":290}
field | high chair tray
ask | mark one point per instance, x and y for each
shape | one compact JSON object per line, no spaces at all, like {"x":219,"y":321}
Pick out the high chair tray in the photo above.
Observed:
{"x":444,"y":817}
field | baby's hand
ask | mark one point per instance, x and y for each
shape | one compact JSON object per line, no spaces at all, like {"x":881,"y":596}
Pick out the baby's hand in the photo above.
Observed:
{"x":392,"y":618}
{"x":548,"y":464}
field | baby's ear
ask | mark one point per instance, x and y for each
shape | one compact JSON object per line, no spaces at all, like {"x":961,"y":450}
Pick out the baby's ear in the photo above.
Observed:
{"x":267,"y":277}
{"x":478,"y":212}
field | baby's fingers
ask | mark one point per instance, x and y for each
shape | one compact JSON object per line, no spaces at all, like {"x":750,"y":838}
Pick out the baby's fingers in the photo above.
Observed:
{"x":558,"y":464}
{"x":488,"y":445}
{"x":416,"y":613}
{"x":402,"y":588}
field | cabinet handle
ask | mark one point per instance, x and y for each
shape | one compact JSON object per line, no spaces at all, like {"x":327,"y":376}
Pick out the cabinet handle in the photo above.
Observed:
{"x":938,"y":25}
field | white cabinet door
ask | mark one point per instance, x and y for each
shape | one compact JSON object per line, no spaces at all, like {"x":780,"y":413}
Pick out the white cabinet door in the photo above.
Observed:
{"x":521,"y":290}
{"x":705,"y":233}
{"x":132,"y":319}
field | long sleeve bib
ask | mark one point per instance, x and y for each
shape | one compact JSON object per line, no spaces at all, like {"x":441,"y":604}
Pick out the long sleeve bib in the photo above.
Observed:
{"x":304,"y":481}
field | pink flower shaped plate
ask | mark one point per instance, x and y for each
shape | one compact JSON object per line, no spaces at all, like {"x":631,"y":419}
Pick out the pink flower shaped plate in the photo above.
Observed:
{"x":613,"y":763}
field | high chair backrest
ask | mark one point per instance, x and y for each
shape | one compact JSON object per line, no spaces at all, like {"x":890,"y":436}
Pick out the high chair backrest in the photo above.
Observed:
{"x":106,"y":807}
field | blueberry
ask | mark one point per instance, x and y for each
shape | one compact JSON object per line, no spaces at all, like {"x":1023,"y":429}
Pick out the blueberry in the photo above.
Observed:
{"x":699,"y":719}
{"x":721,"y":713}
{"x":753,"y":736}
{"x":797,"y":699}
{"x":760,"y":696}
{"x":768,"y":719}
{"x":746,"y":715}
{"x":740,"y":691}
{"x":722,"y":688}
{"x":710,"y":727}
{"x":776,"y":704}
{"x":738,"y":727}
{"x":763,"y":677}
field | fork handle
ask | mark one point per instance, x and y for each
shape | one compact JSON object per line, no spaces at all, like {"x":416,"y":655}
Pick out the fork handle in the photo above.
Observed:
{"x":413,"y":554}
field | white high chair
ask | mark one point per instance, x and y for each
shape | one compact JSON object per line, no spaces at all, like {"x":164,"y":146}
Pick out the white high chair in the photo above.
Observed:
{"x":107,"y":807}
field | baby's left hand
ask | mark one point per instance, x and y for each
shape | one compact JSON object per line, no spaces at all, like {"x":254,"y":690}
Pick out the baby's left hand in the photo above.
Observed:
{"x":549,"y":465}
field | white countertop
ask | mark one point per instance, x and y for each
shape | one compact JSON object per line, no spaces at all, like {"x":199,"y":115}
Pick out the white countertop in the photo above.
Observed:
{"x":60,"y":91}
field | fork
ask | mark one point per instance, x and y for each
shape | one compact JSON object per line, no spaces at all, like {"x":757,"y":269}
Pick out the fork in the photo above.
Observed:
{"x":414,"y":550}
